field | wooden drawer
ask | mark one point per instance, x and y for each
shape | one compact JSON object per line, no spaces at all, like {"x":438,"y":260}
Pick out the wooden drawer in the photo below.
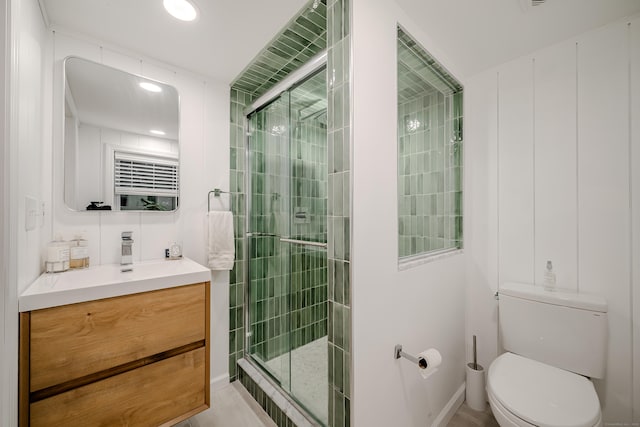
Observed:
{"x":148,"y":396}
{"x":75,"y":341}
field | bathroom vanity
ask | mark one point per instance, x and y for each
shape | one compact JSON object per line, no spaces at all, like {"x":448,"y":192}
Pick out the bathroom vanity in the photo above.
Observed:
{"x":104,"y":347}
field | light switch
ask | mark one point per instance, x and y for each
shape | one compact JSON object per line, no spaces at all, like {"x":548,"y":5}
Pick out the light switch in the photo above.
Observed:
{"x":31,"y":213}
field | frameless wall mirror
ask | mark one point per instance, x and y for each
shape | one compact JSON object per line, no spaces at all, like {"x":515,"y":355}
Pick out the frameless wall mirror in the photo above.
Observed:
{"x":121,"y":148}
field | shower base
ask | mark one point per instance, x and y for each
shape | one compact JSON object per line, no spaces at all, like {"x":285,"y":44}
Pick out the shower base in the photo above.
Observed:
{"x":309,"y":376}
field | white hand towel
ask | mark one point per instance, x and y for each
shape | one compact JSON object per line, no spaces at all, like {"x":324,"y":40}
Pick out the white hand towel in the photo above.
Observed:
{"x":221,"y":244}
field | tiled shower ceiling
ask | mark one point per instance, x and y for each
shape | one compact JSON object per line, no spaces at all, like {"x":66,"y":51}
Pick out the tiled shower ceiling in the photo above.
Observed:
{"x":303,"y":38}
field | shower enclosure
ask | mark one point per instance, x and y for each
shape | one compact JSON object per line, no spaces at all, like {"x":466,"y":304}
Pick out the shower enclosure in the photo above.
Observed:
{"x":286,"y":242}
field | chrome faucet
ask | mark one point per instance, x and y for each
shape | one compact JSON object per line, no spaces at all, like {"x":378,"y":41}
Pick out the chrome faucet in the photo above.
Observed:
{"x":127,"y":248}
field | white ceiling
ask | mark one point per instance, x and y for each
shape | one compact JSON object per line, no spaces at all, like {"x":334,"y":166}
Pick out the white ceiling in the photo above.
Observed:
{"x":220,"y":44}
{"x":475,"y":34}
{"x":479,"y":34}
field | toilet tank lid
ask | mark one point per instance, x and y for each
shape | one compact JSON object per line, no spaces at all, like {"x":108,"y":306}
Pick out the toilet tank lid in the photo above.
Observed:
{"x":562,"y":297}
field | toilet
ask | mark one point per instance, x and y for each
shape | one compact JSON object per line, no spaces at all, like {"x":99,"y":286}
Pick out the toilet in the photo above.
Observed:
{"x":555,"y":341}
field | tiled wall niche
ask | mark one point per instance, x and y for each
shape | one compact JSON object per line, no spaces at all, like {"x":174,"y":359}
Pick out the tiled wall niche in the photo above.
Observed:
{"x":429,"y":153}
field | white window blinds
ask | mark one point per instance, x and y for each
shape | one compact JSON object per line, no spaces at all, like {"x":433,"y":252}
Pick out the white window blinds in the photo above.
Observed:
{"x":145,"y":175}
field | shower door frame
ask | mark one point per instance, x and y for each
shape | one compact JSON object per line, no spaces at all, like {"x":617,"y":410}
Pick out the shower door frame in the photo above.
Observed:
{"x":296,"y":78}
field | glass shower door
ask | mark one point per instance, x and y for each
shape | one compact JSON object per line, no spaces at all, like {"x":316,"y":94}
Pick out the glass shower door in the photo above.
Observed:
{"x":287,"y":235}
{"x":307,"y":248}
{"x":268,"y":221}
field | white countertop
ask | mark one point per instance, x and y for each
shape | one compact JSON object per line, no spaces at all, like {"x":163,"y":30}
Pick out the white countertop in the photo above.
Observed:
{"x":106,"y":281}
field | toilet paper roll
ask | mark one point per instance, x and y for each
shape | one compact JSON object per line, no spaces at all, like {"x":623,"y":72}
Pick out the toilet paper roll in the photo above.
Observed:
{"x":433,"y":358}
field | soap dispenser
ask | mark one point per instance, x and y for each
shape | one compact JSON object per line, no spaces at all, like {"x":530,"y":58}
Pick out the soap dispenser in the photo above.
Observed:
{"x":79,"y":252}
{"x":57,"y":255}
{"x":549,"y":277}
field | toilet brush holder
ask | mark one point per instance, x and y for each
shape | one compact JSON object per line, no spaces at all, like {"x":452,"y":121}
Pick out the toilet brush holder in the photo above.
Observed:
{"x":475,"y":393}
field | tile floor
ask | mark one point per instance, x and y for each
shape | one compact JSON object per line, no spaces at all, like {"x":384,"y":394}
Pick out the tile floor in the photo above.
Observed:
{"x":234,"y":407}
{"x":467,"y":417}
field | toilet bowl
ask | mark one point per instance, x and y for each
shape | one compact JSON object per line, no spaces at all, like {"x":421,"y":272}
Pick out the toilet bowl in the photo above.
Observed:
{"x":524,"y":392}
{"x":554,"y":342}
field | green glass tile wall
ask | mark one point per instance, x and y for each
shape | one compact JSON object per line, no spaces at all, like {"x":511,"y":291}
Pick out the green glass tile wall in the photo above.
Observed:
{"x":288,"y":185}
{"x":270,"y":299}
{"x":308,"y":295}
{"x":335,"y":36}
{"x":300,"y":40}
{"x":339,"y":211}
{"x":429,"y":154}
{"x":308,"y":265}
{"x":237,"y":282}
{"x":309,"y":160}
{"x":269,"y":294}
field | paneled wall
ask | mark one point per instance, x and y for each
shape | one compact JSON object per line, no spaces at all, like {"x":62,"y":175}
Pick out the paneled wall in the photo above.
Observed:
{"x":204,"y":160}
{"x":8,"y":390}
{"x":201,"y":154}
{"x":25,"y":168}
{"x":554,"y":138}
{"x":635,"y":209}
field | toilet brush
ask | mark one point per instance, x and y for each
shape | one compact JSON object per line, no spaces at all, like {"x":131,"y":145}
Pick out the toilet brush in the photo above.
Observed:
{"x":475,"y":391}
{"x":475,"y":354}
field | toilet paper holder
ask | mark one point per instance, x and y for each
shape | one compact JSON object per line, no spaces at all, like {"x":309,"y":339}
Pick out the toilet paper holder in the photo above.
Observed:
{"x":420,"y":361}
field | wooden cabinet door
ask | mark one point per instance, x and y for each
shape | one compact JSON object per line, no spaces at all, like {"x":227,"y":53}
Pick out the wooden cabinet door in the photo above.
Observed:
{"x":148,"y":396}
{"x":77,"y":340}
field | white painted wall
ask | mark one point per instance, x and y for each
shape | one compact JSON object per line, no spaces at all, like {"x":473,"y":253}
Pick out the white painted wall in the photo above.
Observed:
{"x":549,"y":142}
{"x":635,"y":210}
{"x":24,"y":168}
{"x":6,"y":387}
{"x":31,"y":98}
{"x":420,"y":307}
{"x":35,"y":151}
{"x":204,"y":159}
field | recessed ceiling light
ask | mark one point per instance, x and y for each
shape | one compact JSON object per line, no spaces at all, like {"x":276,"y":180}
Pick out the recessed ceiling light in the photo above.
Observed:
{"x":157,"y":132}
{"x":150,"y":87}
{"x":183,"y":10}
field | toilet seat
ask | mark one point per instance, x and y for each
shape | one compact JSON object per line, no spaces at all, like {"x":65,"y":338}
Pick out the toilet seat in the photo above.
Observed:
{"x":504,"y":417}
{"x":528,"y":392}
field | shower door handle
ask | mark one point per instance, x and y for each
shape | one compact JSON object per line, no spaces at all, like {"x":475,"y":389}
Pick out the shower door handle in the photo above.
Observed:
{"x":304,"y":242}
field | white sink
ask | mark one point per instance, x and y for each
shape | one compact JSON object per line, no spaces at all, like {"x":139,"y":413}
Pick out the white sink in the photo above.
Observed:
{"x":106,"y":281}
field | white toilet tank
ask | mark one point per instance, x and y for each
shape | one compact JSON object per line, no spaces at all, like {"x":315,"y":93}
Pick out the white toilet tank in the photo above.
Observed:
{"x":560,"y":328}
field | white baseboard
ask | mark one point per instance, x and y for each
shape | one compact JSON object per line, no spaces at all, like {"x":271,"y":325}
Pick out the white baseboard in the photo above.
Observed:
{"x":219,"y":382}
{"x":450,"y":408}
